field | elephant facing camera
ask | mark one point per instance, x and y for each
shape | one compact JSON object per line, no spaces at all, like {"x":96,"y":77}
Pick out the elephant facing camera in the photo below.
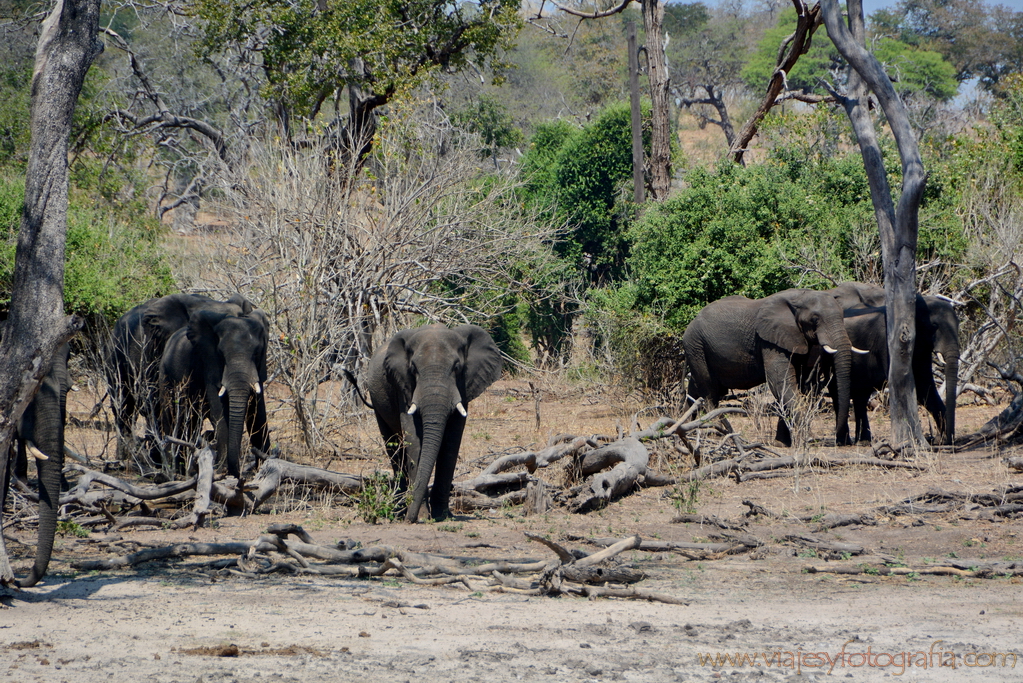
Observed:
{"x":420,"y":384}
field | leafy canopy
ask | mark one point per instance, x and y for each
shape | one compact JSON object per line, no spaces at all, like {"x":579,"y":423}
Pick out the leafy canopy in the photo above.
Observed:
{"x":311,"y":49}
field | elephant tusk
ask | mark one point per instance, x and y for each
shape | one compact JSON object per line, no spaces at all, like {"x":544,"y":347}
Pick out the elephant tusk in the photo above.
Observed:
{"x":35,"y":452}
{"x":223,"y":390}
{"x":461,"y":409}
{"x":856,"y":350}
{"x":829,"y":349}
{"x":941,"y":359}
{"x":256,"y":389}
{"x":412,"y":409}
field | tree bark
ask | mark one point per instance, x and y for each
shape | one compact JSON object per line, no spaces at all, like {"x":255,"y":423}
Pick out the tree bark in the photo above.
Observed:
{"x":898,"y":226}
{"x":657,"y":73}
{"x":37,"y":324}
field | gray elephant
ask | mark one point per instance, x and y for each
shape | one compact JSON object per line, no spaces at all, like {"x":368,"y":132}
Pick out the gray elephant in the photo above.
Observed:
{"x":40,"y":434}
{"x":740,"y":343}
{"x":937,"y":331}
{"x":139,"y":338}
{"x":215,"y":367}
{"x":420,"y":384}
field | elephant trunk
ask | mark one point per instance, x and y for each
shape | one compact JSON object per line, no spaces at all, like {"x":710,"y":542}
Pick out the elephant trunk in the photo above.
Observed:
{"x":50,"y":407}
{"x":951,"y":391}
{"x":835,"y":336}
{"x":237,"y":404}
{"x":434,"y":406}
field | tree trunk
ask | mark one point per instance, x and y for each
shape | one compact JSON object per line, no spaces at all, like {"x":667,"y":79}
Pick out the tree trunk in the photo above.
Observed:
{"x":897,"y":226}
{"x":660,"y":138}
{"x":37,"y":325}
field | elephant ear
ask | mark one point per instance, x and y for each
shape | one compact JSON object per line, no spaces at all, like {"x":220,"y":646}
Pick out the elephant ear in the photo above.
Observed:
{"x":482,"y":360}
{"x":776,"y":323}
{"x":396,"y":363}
{"x":259,"y":316}
{"x":165,"y":315}
{"x":244,"y":304}
{"x":202,"y":327}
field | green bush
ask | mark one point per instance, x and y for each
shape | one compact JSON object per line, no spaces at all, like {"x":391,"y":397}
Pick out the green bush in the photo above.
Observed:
{"x":111,"y":264}
{"x":584,"y":177}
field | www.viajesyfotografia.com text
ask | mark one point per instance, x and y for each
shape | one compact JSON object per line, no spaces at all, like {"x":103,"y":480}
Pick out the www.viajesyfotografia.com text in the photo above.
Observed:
{"x":898,"y":662}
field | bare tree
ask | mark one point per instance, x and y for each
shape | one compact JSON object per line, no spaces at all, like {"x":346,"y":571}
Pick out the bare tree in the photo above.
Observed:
{"x":37,"y":324}
{"x":808,"y":20}
{"x":898,"y":226}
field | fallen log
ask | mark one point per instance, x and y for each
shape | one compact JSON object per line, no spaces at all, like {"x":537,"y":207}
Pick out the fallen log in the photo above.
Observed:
{"x":275,"y":471}
{"x":141,"y":492}
{"x":632,"y":458}
{"x":833,"y":548}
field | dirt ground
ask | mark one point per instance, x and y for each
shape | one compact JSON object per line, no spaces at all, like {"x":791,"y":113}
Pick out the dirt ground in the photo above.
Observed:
{"x":177,"y":620}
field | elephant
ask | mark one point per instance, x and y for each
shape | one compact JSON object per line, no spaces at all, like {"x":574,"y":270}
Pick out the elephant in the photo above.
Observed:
{"x":138,"y":342}
{"x":40,"y":433}
{"x":217,"y":363}
{"x":420,"y":384}
{"x":937,"y":331}
{"x":739,"y":343}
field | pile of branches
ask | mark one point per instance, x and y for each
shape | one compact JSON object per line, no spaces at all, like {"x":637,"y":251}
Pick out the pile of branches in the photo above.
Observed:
{"x":600,"y":574}
{"x":598,"y":469}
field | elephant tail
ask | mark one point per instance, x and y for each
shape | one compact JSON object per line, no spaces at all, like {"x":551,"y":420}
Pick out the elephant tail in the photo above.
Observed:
{"x":355,"y":383}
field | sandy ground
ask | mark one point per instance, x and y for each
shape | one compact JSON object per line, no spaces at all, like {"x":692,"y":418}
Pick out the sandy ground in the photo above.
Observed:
{"x":176,"y":620}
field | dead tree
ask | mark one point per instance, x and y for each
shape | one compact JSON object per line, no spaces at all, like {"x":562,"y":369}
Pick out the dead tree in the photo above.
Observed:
{"x":37,"y":324}
{"x":807,"y":22}
{"x":897,"y":225}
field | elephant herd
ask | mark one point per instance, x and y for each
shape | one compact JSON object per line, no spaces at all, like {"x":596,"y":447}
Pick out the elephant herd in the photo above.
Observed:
{"x":791,"y":339}
{"x":179,"y":359}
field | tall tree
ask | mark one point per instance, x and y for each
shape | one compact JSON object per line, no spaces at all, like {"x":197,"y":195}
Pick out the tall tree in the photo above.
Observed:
{"x":898,"y":225}
{"x":312,"y":51}
{"x":37,"y":324}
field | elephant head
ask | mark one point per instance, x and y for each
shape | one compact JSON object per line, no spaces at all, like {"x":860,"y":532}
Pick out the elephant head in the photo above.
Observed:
{"x":421,"y":384}
{"x":797,"y":320}
{"x":139,"y":339}
{"x":229,"y":354}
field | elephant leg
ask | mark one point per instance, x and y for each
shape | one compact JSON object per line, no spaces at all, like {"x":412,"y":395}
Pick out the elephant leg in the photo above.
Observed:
{"x":860,"y":412}
{"x":927,"y":394}
{"x":444,"y":474}
{"x":783,"y":382}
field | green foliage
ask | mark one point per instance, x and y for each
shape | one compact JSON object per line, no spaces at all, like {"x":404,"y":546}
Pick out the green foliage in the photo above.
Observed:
{"x":981,"y":40}
{"x":71,"y":528}
{"x":385,"y":48}
{"x":378,"y":498}
{"x":914,"y":70}
{"x":14,"y":102}
{"x":111,"y":264}
{"x":821,"y":57}
{"x":489,"y":119}
{"x":1007,"y":115}
{"x":726,"y":234}
{"x":584,"y":176}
